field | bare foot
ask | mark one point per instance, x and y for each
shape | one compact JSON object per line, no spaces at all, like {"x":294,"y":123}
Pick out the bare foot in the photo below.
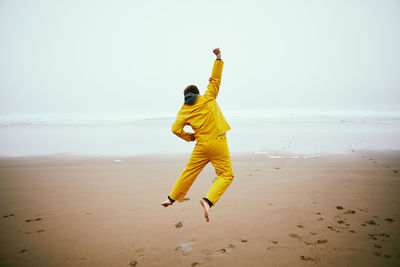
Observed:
{"x":166,"y":203}
{"x":206,"y":209}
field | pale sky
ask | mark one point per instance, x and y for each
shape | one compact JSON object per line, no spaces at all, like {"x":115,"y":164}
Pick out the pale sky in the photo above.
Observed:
{"x":138,"y":56}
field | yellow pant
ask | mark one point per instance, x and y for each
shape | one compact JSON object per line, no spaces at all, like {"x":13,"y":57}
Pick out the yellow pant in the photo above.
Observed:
{"x":215,"y":151}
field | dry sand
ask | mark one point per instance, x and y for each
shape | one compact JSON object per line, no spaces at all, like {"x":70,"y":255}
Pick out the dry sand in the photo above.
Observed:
{"x":333,"y":210}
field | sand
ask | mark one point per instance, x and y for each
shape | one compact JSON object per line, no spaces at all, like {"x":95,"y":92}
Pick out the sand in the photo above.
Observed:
{"x":332,"y":210}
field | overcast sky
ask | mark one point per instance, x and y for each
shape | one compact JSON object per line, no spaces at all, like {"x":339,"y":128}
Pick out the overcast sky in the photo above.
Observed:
{"x":138,"y":56}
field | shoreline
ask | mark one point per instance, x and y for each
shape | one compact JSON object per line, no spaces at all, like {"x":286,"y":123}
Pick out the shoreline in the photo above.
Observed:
{"x":189,"y":151}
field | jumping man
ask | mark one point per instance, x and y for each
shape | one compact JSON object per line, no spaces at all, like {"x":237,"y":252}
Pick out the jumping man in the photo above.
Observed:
{"x":202,"y":113}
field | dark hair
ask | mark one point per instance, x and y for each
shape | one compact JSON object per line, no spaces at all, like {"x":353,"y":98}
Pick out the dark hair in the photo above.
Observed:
{"x":191,"y":88}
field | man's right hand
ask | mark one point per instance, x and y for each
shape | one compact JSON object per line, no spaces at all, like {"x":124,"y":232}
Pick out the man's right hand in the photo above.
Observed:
{"x":192,"y":138}
{"x":217,"y":52}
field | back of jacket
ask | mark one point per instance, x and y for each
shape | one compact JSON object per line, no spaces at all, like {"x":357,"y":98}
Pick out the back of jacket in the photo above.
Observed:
{"x":204,"y":116}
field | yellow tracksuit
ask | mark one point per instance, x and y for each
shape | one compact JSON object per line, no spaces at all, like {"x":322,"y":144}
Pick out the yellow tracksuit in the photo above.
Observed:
{"x":208,"y":123}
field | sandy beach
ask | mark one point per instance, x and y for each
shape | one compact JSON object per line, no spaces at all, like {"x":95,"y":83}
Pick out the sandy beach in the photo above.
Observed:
{"x":332,"y":210}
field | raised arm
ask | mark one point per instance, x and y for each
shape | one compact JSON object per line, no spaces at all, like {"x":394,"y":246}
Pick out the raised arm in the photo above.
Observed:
{"x":215,"y":79}
{"x":177,"y":129}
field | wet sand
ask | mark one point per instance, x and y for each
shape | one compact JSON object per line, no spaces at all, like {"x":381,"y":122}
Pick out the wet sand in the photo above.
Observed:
{"x":332,"y":210}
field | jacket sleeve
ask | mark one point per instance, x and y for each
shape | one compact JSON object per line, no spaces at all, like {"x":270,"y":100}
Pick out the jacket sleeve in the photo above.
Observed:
{"x":177,"y":129}
{"x":215,"y":80}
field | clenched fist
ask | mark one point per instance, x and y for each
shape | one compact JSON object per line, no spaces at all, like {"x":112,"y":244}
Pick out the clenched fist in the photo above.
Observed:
{"x":217,"y":52}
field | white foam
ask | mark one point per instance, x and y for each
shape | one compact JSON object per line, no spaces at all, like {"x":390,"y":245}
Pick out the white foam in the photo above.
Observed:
{"x":268,"y":154}
{"x":82,"y":118}
{"x":264,"y":115}
{"x":187,"y":246}
{"x":317,"y":115}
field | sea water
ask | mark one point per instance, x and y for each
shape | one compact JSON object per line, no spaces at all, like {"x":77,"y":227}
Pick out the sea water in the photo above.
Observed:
{"x":275,"y":133}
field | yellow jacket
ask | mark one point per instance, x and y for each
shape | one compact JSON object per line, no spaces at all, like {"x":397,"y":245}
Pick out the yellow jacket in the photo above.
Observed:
{"x":204,"y":116}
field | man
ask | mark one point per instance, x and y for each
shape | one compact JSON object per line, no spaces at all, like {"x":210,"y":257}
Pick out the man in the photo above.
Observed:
{"x":202,"y":113}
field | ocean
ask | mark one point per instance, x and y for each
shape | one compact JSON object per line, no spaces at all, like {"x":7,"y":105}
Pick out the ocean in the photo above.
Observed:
{"x":275,"y":133}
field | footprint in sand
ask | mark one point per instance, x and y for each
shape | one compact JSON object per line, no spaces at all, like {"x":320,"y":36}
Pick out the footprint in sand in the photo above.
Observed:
{"x":244,"y":240}
{"x":140,"y":254}
{"x":40,"y":231}
{"x":294,"y":236}
{"x":222,"y":250}
{"x":195,"y":264}
{"x":8,"y":215}
{"x":395,"y":171}
{"x":31,"y":220}
{"x":179,"y":224}
{"x":350,"y":212}
{"x":300,"y":226}
{"x":75,"y":259}
{"x":275,"y":245}
{"x":389,"y":220}
{"x":385,"y":255}
{"x":186,"y":199}
{"x":23,"y":251}
{"x":308,"y":258}
{"x":206,"y":252}
{"x":375,"y":236}
{"x":333,"y":229}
